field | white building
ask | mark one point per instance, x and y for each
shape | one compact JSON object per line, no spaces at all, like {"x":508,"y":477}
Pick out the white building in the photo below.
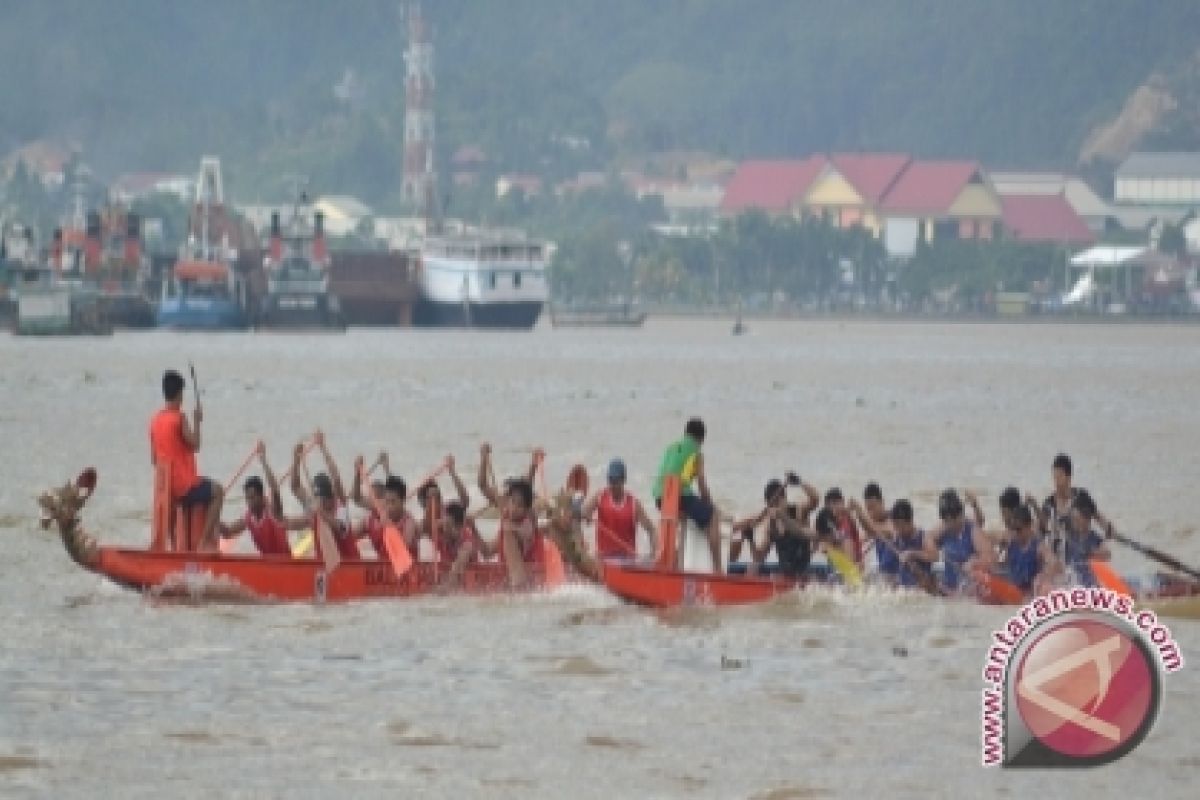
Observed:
{"x":1159,"y":179}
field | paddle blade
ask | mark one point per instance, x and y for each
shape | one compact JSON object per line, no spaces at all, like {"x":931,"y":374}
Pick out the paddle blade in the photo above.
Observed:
{"x":556,"y":573}
{"x":397,"y":551}
{"x":303,"y":546}
{"x":997,"y":590}
{"x":844,"y":565}
{"x":1107,"y":577}
{"x":328,"y":546}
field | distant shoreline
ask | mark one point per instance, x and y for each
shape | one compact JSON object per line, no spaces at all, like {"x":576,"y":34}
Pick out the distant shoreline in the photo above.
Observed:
{"x":920,"y":317}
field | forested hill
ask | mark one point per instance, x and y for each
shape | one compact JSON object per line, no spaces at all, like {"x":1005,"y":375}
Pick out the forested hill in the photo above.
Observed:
{"x":152,"y":85}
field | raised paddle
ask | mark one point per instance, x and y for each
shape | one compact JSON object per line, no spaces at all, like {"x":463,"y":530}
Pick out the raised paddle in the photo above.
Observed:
{"x":393,"y":541}
{"x":1155,"y":554}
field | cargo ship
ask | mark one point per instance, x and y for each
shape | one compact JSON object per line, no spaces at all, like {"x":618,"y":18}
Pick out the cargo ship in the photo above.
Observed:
{"x":296,"y":267}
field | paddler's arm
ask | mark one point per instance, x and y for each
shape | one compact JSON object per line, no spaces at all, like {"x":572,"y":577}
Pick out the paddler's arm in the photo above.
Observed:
{"x":298,"y":490}
{"x":339,"y":489}
{"x":590,"y":505}
{"x":985,"y":548}
{"x":233,"y":530}
{"x":356,"y":495}
{"x":460,"y":488}
{"x":868,"y":525}
{"x":272,"y":481}
{"x":973,"y":502}
{"x":1039,"y":519}
{"x":811,"y":502}
{"x":191,"y":434}
{"x":534,"y":460}
{"x":489,"y":491}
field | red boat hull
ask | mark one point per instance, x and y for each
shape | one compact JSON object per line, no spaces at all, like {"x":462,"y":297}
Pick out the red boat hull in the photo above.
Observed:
{"x":649,"y":585}
{"x":254,"y":578}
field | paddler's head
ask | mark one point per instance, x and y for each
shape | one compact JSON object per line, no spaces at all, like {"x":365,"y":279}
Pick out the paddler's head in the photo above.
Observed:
{"x":1010,"y":501}
{"x":256,"y":498}
{"x":519,"y":497}
{"x":429,"y":492}
{"x":395,"y":492}
{"x":695,"y":430}
{"x":172,"y":388}
{"x":835,"y":503}
{"x":1083,"y":511}
{"x":774,"y":494}
{"x":873,"y":501}
{"x":1022,"y":523}
{"x":456,"y":516}
{"x":951,"y":511}
{"x":616,"y":477}
{"x":1060,"y":473}
{"x":902,"y":518}
{"x":323,"y":490}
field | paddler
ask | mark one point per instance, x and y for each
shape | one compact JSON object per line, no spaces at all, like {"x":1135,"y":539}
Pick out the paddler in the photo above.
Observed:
{"x":519,"y":542}
{"x":393,"y":497}
{"x":683,"y":458}
{"x":1029,"y":563}
{"x":961,"y":543}
{"x":434,"y":508}
{"x":618,"y":514}
{"x":849,"y":538}
{"x":787,"y":531}
{"x":1081,"y":542}
{"x":327,"y":503}
{"x":743,"y":531}
{"x":900,"y":549}
{"x":174,"y":441}
{"x":1057,"y":507}
{"x":264,"y":516}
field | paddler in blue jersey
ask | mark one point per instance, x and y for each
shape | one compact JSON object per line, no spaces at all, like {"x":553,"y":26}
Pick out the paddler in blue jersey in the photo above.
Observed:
{"x":1081,"y":542}
{"x":961,"y":542}
{"x":1029,"y":562}
{"x":684,"y":459}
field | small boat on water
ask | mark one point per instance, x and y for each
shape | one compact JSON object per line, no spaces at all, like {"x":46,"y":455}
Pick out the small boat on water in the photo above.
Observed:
{"x":205,"y":290}
{"x":616,"y":315}
{"x":297,"y":265}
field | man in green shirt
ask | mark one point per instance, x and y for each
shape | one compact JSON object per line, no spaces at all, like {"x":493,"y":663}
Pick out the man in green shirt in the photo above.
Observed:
{"x":684,"y":459}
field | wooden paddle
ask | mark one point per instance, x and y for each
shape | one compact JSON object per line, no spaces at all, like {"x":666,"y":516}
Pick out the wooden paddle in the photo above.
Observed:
{"x":844,"y":565}
{"x":393,"y":541}
{"x":1155,"y":554}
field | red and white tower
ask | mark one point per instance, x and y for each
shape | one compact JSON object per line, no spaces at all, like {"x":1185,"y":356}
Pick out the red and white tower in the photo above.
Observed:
{"x":419,"y":187}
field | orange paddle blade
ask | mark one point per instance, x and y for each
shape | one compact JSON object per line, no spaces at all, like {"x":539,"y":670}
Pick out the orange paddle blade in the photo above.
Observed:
{"x":997,"y":590}
{"x":556,"y":573}
{"x":397,"y":550}
{"x":1107,"y":577}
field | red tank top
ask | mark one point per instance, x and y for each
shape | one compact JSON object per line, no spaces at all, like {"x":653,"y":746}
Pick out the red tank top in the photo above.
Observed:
{"x":849,"y":530}
{"x":531,"y":554}
{"x":375,"y":528}
{"x":169,"y":447}
{"x":616,"y":526}
{"x":448,"y":550}
{"x":269,"y":535}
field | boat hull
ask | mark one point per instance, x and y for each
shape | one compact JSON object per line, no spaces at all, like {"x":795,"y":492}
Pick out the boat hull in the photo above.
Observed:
{"x":278,"y":579}
{"x":513,"y":315}
{"x":301,"y":312}
{"x":649,"y":585}
{"x":206,"y":316}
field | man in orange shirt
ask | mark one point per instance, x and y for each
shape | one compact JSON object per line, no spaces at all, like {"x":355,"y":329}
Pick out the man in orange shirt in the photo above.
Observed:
{"x":175,"y":442}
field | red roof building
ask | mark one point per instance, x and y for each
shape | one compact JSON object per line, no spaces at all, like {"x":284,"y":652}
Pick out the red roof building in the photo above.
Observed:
{"x":776,"y":187}
{"x":1044,"y":218}
{"x":871,"y":174}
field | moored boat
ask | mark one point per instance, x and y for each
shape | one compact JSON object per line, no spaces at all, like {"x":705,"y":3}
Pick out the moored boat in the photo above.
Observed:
{"x":297,"y":270}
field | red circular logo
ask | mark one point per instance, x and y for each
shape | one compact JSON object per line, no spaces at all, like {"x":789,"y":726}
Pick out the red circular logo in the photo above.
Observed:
{"x":1085,"y":688}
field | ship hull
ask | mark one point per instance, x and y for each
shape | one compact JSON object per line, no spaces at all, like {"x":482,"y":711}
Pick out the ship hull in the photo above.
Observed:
{"x":514,"y":315}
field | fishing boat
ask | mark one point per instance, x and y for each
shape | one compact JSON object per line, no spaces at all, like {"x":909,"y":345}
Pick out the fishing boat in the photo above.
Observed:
{"x":205,"y":290}
{"x":297,"y":263}
{"x":50,"y":297}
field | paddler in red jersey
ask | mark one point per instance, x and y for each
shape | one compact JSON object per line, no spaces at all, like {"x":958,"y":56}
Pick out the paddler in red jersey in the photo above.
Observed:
{"x":618,"y":515}
{"x":520,"y":541}
{"x":393,"y":496}
{"x":265,"y":520}
{"x":175,"y":442}
{"x":434,"y":507}
{"x":327,"y":501}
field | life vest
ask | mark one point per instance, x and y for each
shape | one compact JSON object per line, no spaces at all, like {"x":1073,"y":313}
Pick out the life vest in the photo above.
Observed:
{"x":169,"y":447}
{"x":616,"y":526}
{"x":268,"y":534}
{"x":346,"y":543}
{"x":680,"y":458}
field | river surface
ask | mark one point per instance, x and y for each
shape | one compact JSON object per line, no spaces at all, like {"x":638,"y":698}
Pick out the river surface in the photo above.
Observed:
{"x":571,"y":694}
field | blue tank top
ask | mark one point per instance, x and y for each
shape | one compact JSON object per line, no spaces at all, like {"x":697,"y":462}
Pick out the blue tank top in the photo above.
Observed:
{"x":885,"y":556}
{"x":1077,"y":551}
{"x":905,"y":544}
{"x":956,"y":549}
{"x":1022,"y":563}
